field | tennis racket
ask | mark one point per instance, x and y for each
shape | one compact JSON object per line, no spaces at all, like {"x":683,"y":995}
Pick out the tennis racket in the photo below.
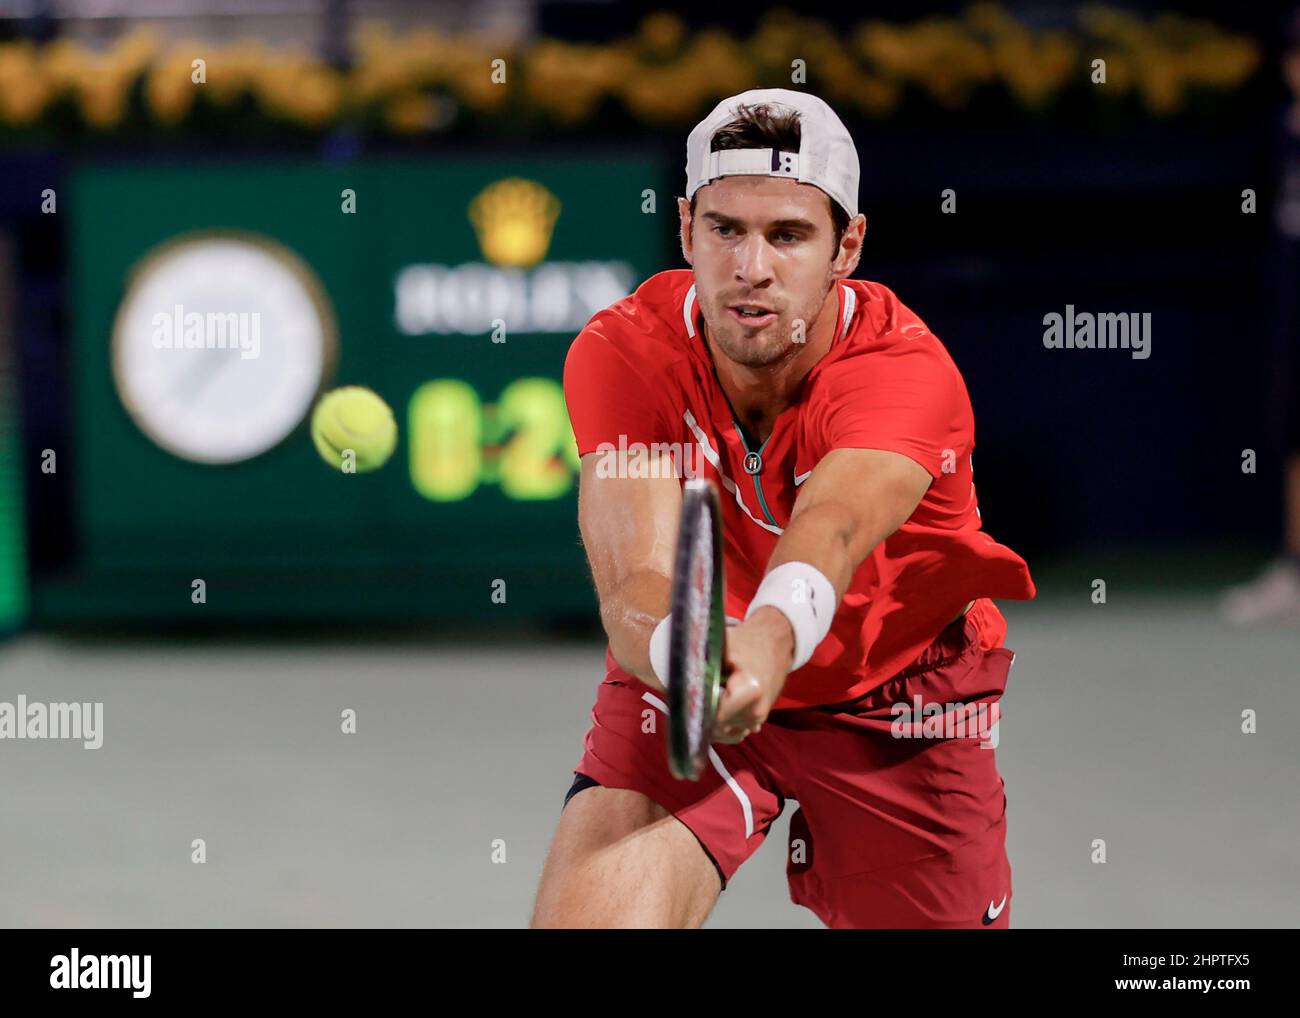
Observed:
{"x":696,"y":632}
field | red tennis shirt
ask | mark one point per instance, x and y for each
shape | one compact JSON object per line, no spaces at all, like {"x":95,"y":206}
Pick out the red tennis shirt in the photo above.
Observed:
{"x":639,"y":372}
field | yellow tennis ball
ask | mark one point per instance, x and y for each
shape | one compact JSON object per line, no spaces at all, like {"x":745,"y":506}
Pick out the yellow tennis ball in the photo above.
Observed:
{"x":353,"y":430}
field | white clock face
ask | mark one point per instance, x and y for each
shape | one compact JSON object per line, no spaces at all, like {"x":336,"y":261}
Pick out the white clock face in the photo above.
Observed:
{"x":221,"y":345}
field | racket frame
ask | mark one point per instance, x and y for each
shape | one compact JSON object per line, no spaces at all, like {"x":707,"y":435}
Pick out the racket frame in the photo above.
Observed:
{"x":700,"y":507}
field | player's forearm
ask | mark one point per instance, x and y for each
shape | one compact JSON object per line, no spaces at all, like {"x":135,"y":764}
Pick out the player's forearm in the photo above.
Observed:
{"x":833,"y":539}
{"x":630,"y":613}
{"x":820,"y":550}
{"x":855,"y":499}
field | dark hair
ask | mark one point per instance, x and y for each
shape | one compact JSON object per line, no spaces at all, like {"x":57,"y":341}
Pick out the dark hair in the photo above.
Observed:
{"x":764,"y":127}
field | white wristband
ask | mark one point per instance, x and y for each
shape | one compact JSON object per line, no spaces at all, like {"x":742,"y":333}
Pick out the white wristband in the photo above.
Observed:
{"x":803,"y":595}
{"x":659,"y":646}
{"x":659,"y":649}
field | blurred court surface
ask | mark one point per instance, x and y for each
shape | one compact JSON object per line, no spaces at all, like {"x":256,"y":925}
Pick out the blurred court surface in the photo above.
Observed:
{"x":1122,"y":722}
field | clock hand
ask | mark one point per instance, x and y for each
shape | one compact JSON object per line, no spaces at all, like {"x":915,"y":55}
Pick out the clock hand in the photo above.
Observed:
{"x":198,"y":378}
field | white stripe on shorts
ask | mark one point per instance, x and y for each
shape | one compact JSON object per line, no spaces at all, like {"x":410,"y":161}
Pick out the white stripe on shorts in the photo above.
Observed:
{"x":746,"y":806}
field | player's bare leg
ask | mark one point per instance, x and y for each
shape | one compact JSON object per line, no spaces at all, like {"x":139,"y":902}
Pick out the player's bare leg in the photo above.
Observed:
{"x":619,"y":859}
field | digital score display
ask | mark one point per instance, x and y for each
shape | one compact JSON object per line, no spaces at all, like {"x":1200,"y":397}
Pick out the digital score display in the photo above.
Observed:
{"x":522,"y":443}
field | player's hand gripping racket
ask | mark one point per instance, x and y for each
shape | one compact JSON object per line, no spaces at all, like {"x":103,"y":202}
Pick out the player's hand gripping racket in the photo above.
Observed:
{"x":696,"y":632}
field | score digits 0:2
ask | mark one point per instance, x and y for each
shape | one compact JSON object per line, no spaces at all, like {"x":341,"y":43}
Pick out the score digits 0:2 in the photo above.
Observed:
{"x":523,"y":442}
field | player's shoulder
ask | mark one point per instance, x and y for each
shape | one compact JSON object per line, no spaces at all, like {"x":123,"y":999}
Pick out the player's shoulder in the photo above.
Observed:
{"x":884,"y":330}
{"x":651,"y":319}
{"x":887,"y":345}
{"x":641,"y":338}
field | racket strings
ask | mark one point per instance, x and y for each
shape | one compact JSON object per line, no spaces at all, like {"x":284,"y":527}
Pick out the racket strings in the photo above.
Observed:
{"x":701,"y":599}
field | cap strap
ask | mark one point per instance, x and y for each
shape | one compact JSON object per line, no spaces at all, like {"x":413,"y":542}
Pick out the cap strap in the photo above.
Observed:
{"x":753,"y":161}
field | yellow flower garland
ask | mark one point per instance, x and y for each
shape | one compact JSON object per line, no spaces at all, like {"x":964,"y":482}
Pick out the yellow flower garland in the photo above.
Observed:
{"x":664,"y":75}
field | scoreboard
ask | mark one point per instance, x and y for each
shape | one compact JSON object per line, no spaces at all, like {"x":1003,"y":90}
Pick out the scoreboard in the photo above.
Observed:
{"x":211,"y":304}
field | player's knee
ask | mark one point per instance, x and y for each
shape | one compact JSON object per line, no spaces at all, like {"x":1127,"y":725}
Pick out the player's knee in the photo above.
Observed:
{"x":608,"y":862}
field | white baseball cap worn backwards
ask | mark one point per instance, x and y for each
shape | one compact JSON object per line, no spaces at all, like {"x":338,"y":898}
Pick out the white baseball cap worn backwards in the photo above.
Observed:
{"x":827,"y":157}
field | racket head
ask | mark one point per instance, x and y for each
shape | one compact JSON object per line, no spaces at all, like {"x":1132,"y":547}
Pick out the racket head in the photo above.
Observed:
{"x":697,"y":630}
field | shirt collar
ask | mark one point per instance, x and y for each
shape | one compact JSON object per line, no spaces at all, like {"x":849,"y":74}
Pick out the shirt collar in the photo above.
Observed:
{"x":848,"y":303}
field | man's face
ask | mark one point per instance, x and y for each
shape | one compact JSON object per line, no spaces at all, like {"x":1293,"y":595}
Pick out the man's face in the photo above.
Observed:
{"x":763,"y":242}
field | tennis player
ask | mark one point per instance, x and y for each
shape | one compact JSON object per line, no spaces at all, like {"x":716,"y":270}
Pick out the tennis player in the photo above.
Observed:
{"x":860,"y":583}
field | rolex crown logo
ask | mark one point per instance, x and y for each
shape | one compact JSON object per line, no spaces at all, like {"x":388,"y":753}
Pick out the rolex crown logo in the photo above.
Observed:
{"x":514,"y":219}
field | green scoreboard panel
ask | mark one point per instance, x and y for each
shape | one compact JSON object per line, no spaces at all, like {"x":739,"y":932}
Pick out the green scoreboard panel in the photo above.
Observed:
{"x":211,"y":305}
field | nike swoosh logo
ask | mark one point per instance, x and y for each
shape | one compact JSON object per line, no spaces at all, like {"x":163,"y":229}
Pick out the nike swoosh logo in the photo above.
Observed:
{"x":800,"y":478}
{"x":993,"y":912}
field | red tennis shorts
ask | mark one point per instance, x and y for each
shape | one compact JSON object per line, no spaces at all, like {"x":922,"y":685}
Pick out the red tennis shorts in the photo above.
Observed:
{"x":901,"y":816}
